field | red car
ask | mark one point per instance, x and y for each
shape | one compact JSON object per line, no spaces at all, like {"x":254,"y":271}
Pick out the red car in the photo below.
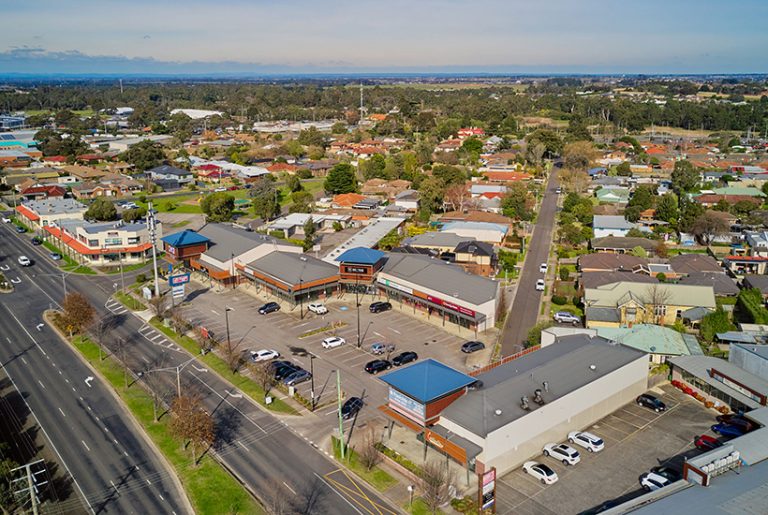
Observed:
{"x":706,"y":443}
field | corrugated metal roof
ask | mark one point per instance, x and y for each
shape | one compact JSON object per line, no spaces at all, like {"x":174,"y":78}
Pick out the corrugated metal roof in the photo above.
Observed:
{"x":649,"y":338}
{"x":427,"y":380}
{"x":609,"y":295}
{"x":700,"y":366}
{"x":227,"y":241}
{"x":290,"y":268}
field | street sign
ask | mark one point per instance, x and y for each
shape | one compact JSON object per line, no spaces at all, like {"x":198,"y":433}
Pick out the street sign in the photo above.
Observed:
{"x":176,"y":280}
{"x":178,"y":291}
{"x":487,"y":490}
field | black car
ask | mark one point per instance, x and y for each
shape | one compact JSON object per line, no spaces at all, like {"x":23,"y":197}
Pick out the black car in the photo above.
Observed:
{"x":377,"y":365}
{"x":649,"y":401}
{"x":36,"y":241}
{"x":378,"y":307}
{"x":667,"y":472}
{"x":282,"y":369}
{"x":269,"y":307}
{"x":470,"y":347}
{"x":404,"y":357}
{"x":20,"y":229}
{"x":351,"y":407}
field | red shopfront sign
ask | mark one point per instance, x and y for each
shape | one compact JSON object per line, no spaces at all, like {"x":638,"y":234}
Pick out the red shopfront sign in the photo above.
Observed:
{"x":451,"y":306}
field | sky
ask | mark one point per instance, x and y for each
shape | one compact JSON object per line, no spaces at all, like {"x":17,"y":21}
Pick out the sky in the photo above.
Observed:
{"x":365,"y":36}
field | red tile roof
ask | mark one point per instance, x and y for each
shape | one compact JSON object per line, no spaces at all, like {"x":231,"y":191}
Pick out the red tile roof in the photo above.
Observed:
{"x":82,"y":249}
{"x":347,"y":199}
{"x":50,"y":191}
{"x":28,"y":213}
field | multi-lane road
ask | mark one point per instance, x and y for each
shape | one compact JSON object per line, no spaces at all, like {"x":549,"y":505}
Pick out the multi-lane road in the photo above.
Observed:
{"x":260,"y":449}
{"x":114,"y":469}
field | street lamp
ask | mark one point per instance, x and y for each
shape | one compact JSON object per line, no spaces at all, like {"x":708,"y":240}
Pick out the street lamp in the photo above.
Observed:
{"x":357,"y":305}
{"x":177,"y":369}
{"x":227,"y":309}
{"x":312,"y":378}
{"x":301,"y":300}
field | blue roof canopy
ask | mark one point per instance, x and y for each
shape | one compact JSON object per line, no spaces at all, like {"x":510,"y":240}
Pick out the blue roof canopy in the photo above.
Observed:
{"x":183,"y":238}
{"x":427,"y":380}
{"x":361,"y":255}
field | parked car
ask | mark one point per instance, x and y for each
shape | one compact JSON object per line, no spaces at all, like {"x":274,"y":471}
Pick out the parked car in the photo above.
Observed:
{"x":37,"y":241}
{"x":6,"y":220}
{"x":333,"y":341}
{"x":563,"y":317}
{"x":318,"y":308}
{"x":652,"y":402}
{"x":543,"y":268}
{"x":377,"y":365}
{"x":282,"y":369}
{"x":726,"y":419}
{"x":378,"y":307}
{"x":540,"y":285}
{"x":561,"y":452}
{"x":264,"y":355}
{"x":404,"y":357}
{"x":219,"y":190}
{"x":668,"y":472}
{"x":558,"y":191}
{"x":651,"y":482}
{"x":299,"y":376}
{"x":587,"y":440}
{"x":380,"y":348}
{"x":20,"y":229}
{"x":25,"y":261}
{"x":706,"y":443}
{"x":470,"y":347}
{"x":55,"y":256}
{"x":742,"y":423}
{"x":728,"y":430}
{"x":269,"y":307}
{"x":351,"y":407}
{"x":540,"y":471}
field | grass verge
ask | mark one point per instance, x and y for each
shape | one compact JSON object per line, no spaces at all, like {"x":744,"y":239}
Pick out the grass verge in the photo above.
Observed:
{"x":241,"y":382}
{"x":130,"y":302}
{"x":209,"y":487}
{"x":126,"y":268}
{"x":69,"y":264}
{"x":375,"y":477}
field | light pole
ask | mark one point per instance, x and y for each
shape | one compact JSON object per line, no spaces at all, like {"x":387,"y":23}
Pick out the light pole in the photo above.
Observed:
{"x":312,"y":378}
{"x":357,"y":306}
{"x":177,"y":369}
{"x":301,"y":300}
{"x":227,"y":309}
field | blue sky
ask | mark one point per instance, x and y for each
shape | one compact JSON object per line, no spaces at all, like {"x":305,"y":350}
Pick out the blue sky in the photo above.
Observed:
{"x":338,"y":36}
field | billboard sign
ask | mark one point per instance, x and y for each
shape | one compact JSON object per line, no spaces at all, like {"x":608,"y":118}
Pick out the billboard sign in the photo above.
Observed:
{"x":393,"y":284}
{"x":177,"y":291}
{"x":450,"y":305}
{"x":487,"y":490}
{"x":178,"y":280}
{"x":407,"y":406}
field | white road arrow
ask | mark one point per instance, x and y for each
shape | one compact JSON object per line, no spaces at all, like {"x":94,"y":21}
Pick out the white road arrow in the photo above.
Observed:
{"x":16,"y":281}
{"x":40,"y":327}
{"x":200,"y":369}
{"x":235,"y":395}
{"x":88,"y":381}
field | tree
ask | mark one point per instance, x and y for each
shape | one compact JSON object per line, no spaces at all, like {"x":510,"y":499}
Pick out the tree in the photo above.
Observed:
{"x":572,"y":234}
{"x":715,"y":322}
{"x":667,"y":208}
{"x":431,"y":192}
{"x":643,"y":197}
{"x":131,"y":215}
{"x":341,"y":179}
{"x":573,"y":180}
{"x":100,"y":330}
{"x":157,"y":305}
{"x":449,"y":174}
{"x":102,"y":210}
{"x":657,"y":296}
{"x":374,"y":167}
{"x":436,"y":479}
{"x":579,"y":155}
{"x":689,"y":212}
{"x":367,"y":453}
{"x":309,"y":234}
{"x":552,"y":143}
{"x":9,"y":502}
{"x":77,"y":312}
{"x":264,"y":199}
{"x":583,"y":212}
{"x":661,"y":250}
{"x":639,"y":252}
{"x":301,"y":202}
{"x":684,"y":177}
{"x":218,"y":206}
{"x":192,"y":424}
{"x":312,"y":136}
{"x":293,"y":183}
{"x":339,"y":128}
{"x":457,"y":197}
{"x":144,"y":155}
{"x":624,"y":169}
{"x":471,"y":148}
{"x":515,"y":203}
{"x":709,"y":226}
{"x":264,"y":375}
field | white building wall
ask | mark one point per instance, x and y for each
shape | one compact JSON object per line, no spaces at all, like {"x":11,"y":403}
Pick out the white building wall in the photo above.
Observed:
{"x":601,"y":232}
{"x":486,"y":235}
{"x":249,"y":255}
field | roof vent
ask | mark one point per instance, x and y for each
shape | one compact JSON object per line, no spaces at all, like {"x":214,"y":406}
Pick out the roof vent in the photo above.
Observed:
{"x":593,"y":367}
{"x":524,"y":403}
{"x":497,"y":412}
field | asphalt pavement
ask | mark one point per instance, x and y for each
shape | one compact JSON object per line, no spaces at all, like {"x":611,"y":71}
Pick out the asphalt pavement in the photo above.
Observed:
{"x":114,"y":470}
{"x":527,"y":300}
{"x":259,"y":448}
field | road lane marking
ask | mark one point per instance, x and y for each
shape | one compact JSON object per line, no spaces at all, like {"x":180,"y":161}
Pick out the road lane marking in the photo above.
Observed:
{"x":85,"y":445}
{"x":338,"y":493}
{"x":25,"y":330}
{"x":289,"y":488}
{"x":41,"y":384}
{"x":62,"y":412}
{"x":243,"y":446}
{"x":214,"y":312}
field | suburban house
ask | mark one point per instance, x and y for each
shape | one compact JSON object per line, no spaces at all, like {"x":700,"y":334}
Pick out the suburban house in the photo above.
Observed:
{"x":758,"y":243}
{"x":407,"y":200}
{"x":481,"y":231}
{"x":610,"y":225}
{"x":627,"y":303}
{"x":170,"y":173}
{"x":623,"y":245}
{"x":43,"y":191}
{"x":660,"y":343}
{"x":476,"y":257}
{"x":613,"y":195}
{"x":293,"y":224}
{"x":438,"y":241}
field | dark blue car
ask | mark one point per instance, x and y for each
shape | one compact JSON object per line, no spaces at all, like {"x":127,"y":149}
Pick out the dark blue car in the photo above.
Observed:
{"x":727,"y":430}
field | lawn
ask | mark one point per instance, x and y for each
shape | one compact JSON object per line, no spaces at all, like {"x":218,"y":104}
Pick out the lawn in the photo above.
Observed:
{"x":181,"y":223}
{"x":570,"y":308}
{"x":243,"y":383}
{"x":69,"y":264}
{"x":209,"y":487}
{"x":130,"y":302}
{"x":376,"y":477}
{"x":126,"y":268}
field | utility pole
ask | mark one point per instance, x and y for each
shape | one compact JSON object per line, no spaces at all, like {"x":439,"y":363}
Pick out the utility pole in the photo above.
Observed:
{"x":357,"y":306}
{"x":31,"y":481}
{"x":122,"y":277}
{"x":362,"y":109}
{"x":301,"y":301}
{"x":341,"y":419}
{"x":227,"y":309}
{"x":312,"y":378}
{"x":153,"y":238}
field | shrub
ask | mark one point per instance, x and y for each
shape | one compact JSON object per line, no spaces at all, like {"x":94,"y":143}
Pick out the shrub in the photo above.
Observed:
{"x":576,"y":300}
{"x":709,"y":404}
{"x":564,"y":274}
{"x":141,"y":278}
{"x":559,"y":300}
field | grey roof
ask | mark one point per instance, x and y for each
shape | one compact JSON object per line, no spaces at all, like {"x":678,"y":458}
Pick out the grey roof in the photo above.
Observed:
{"x":692,"y":263}
{"x":440,"y":276}
{"x":760,"y":350}
{"x":611,"y":222}
{"x":290,"y":267}
{"x":736,"y":336}
{"x":98,"y":227}
{"x":564,"y":365}
{"x":609,"y":261}
{"x":721,"y":283}
{"x":756,"y":281}
{"x":408,"y":249}
{"x":55,"y":206}
{"x":699,"y":366}
{"x":437,"y":239}
{"x":627,"y":243}
{"x":170,"y":170}
{"x":595,"y":279}
{"x":603,"y":315}
{"x":696,"y":314}
{"x":369,"y":236}
{"x":476,"y":248}
{"x":227,"y":240}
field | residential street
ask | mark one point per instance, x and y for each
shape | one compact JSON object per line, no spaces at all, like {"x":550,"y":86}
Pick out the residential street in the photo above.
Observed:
{"x":525,"y":307}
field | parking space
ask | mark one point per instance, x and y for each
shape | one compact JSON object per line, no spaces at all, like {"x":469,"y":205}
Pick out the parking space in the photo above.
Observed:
{"x":636,"y":439}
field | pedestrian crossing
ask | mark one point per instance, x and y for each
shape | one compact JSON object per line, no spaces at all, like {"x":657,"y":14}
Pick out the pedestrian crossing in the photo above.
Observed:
{"x":115,"y":307}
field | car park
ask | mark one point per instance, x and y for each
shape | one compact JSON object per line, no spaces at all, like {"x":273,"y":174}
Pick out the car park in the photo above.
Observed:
{"x":404,"y":357}
{"x":540,"y":471}
{"x":668,"y":472}
{"x":587,"y":440}
{"x":264,"y":355}
{"x":332,"y":342}
{"x":25,"y":261}
{"x":540,"y":285}
{"x":269,"y":307}
{"x":379,"y":348}
{"x":563,"y":317}
{"x":649,"y":401}
{"x":561,"y":452}
{"x":318,"y":308}
{"x":378,"y":307}
{"x":55,"y":256}
{"x":298,"y":376}
{"x":350,"y":408}
{"x":470,"y":347}
{"x":728,"y":430}
{"x":706,"y":443}
{"x":377,"y":365}
{"x":651,"y":482}
{"x":543,"y":268}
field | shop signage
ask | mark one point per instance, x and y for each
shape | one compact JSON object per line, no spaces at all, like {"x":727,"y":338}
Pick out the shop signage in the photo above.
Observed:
{"x":178,"y":291}
{"x":355,"y":269}
{"x":406,"y":406}
{"x":487,"y":492}
{"x":450,"y":305}
{"x":177,"y":280}
{"x":396,"y":286}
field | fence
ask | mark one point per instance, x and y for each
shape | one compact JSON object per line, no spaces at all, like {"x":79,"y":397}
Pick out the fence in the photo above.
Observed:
{"x":504,"y":360}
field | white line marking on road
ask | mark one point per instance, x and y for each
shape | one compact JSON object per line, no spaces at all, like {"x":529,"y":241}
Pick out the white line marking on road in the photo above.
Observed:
{"x":41,"y":384}
{"x":235,"y":395}
{"x":40,"y":327}
{"x":61,"y":373}
{"x":143,"y":357}
{"x":113,"y":486}
{"x":85,"y":445}
{"x":8,"y":339}
{"x":214,"y":312}
{"x":25,"y":362}
{"x":233,"y":406}
{"x":161,"y":497}
{"x":395,"y":331}
{"x":126,"y":454}
{"x":339,"y":493}
{"x":200,"y":369}
{"x":115,"y":440}
{"x":88,"y":381}
{"x":243,"y":446}
{"x":25,"y":330}
{"x":289,"y":488}
{"x":16,"y":281}
{"x":155,"y":337}
{"x":62,"y":412}
{"x":378,"y":334}
{"x":148,"y":481}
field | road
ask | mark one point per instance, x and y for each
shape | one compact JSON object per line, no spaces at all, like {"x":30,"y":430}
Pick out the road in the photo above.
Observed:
{"x":115,"y":471}
{"x":257,"y":447}
{"x":527,"y":300}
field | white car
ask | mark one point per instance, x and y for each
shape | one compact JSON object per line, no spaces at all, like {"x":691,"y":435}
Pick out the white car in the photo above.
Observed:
{"x":561,"y":452}
{"x":6,"y":220}
{"x":543,"y":268}
{"x":318,"y":307}
{"x":264,"y":355}
{"x":24,"y":261}
{"x":565,"y":317}
{"x":651,"y":482}
{"x":587,"y":440}
{"x":540,"y":285}
{"x":333,"y":341}
{"x":540,"y":471}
